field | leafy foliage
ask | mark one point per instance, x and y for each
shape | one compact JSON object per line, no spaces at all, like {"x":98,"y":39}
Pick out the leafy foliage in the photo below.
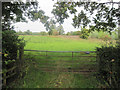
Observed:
{"x":43,"y":33}
{"x":74,"y":33}
{"x":10,"y":45}
{"x":109,"y":64}
{"x":105,"y":17}
{"x":20,"y":11}
{"x":103,"y":35}
{"x":60,"y":29}
{"x":16,"y":11}
{"x":84,"y":33}
{"x":28,"y":32}
{"x":55,"y":32}
{"x":51,"y":26}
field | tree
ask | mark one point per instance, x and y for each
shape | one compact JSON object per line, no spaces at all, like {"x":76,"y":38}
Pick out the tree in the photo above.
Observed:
{"x":98,"y":16}
{"x":20,"y":11}
{"x":28,"y":32}
{"x":119,"y":23}
{"x":55,"y":32}
{"x":84,"y":33}
{"x":60,"y":29}
{"x":20,"y":32}
{"x":43,"y":33}
{"x":13,"y":12}
{"x":74,"y":33}
{"x":50,"y":26}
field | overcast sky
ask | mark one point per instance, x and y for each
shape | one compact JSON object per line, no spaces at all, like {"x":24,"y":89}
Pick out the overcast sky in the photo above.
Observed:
{"x":37,"y":26}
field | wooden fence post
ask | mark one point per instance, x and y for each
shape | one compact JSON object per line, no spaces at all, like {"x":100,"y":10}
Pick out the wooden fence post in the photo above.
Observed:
{"x":4,"y":78}
{"x":21,"y":53}
{"x":46,"y":53}
{"x":72,"y":55}
{"x":20,"y":60}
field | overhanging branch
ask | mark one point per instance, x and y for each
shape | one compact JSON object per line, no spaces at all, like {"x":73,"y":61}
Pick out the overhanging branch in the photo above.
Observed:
{"x":111,"y":3}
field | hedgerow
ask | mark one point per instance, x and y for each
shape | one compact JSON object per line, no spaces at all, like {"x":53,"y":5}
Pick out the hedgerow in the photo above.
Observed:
{"x":10,"y":46}
{"x":108,"y":59}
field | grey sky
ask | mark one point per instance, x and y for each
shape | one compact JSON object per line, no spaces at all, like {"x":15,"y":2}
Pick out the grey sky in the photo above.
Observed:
{"x":37,"y":26}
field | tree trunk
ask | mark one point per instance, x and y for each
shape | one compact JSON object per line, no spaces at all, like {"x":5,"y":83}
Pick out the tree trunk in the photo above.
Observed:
{"x":0,"y":44}
{"x":119,"y":23}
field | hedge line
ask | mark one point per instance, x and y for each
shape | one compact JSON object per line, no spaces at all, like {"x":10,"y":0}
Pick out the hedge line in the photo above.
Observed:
{"x":108,"y":58}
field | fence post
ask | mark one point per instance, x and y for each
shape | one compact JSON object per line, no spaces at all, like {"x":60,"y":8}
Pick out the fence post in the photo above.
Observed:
{"x":4,"y":78}
{"x":20,"y":60}
{"x":21,"y":53}
{"x":46,"y":53}
{"x":72,"y":55}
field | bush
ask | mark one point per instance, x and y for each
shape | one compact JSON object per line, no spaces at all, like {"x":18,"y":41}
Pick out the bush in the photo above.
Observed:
{"x":76,"y":33}
{"x":84,"y":33}
{"x":106,"y":37}
{"x":53,"y":32}
{"x":103,"y":35}
{"x":114,"y":35}
{"x":43,"y":33}
{"x":94,"y":34}
{"x":10,"y":45}
{"x":108,"y":58}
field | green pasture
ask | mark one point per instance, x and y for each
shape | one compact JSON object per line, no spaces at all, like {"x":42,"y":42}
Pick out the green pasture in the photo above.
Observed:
{"x":59,"y":44}
{"x":58,"y":72}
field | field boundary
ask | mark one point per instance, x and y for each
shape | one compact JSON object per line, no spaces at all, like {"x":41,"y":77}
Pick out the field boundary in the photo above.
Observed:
{"x":63,"y":51}
{"x":85,"y":52}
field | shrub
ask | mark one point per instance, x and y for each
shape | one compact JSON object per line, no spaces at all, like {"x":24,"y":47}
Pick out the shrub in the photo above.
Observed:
{"x":94,"y":34}
{"x":68,"y":33}
{"x":43,"y":33}
{"x":54,"y":32}
{"x":10,"y":45}
{"x":75,"y":33}
{"x":103,"y":35}
{"x":106,"y":37}
{"x":114,"y":35}
{"x":108,"y":58}
{"x":84,"y":33}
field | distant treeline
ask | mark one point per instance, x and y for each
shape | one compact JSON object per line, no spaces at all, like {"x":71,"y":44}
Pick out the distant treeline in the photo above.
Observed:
{"x":84,"y":33}
{"x":28,"y":32}
{"x":53,"y":32}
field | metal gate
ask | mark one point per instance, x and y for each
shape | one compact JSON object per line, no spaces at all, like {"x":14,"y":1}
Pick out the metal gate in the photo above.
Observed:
{"x":63,"y":61}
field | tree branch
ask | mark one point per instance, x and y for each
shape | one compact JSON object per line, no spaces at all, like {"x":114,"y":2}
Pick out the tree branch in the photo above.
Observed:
{"x":111,"y":3}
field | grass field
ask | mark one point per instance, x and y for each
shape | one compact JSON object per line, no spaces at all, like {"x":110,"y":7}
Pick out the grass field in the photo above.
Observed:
{"x":58,"y":72}
{"x":60,"y":43}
